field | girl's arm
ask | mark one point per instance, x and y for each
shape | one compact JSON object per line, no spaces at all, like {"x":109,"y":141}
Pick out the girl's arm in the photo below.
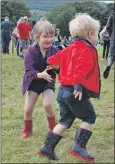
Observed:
{"x":29,"y":64}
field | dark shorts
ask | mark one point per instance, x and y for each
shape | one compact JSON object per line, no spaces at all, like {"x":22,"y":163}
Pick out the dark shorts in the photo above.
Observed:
{"x":39,"y":86}
{"x":71,"y":108}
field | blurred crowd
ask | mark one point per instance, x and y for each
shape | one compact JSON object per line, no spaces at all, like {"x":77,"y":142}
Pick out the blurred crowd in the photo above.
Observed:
{"x":21,"y":35}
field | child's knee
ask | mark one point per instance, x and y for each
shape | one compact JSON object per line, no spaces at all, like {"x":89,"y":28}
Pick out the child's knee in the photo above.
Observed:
{"x":93,"y":119}
{"x":90,"y":120}
{"x":47,"y":106}
{"x":67,"y":121}
{"x":48,"y":109}
{"x":28,"y":110}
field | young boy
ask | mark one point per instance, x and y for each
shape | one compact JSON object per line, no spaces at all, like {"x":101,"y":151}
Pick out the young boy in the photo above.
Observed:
{"x":80,"y":79}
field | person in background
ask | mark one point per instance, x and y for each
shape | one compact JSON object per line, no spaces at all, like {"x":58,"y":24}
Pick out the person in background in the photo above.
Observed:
{"x":57,"y":40}
{"x":64,"y":42}
{"x":31,"y":36}
{"x":6,"y":29}
{"x":30,"y":24}
{"x":38,"y":79}
{"x":24,"y":30}
{"x":69,"y":41}
{"x":111,"y":30}
{"x":33,"y":23}
{"x":104,"y":35}
{"x":16,"y":35}
{"x":79,"y":69}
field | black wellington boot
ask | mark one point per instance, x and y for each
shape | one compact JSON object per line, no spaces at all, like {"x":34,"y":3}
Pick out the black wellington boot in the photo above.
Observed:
{"x":47,"y":149}
{"x":79,"y":148}
{"x":106,"y":72}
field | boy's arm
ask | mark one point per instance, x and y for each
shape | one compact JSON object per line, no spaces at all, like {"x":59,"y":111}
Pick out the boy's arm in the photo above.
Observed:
{"x":55,"y":59}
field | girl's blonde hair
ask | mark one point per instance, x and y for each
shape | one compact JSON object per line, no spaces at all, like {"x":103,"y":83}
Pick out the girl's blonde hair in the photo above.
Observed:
{"x":41,"y":26}
{"x":82,"y":24}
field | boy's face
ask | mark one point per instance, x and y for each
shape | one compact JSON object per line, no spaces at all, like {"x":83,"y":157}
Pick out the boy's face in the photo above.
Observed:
{"x":45,"y":40}
{"x":93,"y":37}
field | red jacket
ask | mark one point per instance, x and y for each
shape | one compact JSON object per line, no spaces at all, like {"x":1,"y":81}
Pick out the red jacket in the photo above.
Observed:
{"x":78,"y":65}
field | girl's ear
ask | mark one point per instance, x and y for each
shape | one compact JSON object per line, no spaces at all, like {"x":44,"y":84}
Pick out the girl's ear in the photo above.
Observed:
{"x":90,"y":34}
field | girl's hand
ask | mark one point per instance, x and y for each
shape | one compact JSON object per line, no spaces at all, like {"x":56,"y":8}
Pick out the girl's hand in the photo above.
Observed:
{"x":52,"y":67}
{"x":45,"y":75}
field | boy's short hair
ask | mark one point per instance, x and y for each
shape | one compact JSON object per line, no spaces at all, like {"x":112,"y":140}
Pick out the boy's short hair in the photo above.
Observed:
{"x":82,"y":24}
{"x":43,"y":25}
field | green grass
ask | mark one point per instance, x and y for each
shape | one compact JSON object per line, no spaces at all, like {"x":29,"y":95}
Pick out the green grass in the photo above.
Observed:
{"x":15,"y":150}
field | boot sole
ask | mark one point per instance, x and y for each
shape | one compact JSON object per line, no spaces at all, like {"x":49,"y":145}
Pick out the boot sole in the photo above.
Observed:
{"x":41,"y":154}
{"x":82,"y":157}
{"x":45,"y":155}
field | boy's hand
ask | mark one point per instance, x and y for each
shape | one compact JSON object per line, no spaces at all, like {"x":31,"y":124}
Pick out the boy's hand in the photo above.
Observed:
{"x":77,"y":91}
{"x":77,"y":94}
{"x":45,"y":75}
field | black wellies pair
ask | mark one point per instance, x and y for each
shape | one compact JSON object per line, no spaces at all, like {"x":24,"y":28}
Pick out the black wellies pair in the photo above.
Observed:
{"x":78,"y":149}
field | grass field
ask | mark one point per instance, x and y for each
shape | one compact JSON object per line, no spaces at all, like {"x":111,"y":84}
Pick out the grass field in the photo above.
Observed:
{"x":15,"y":150}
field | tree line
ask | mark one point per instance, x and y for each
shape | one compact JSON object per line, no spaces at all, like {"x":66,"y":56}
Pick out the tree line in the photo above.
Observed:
{"x":14,"y":10}
{"x":59,"y":15}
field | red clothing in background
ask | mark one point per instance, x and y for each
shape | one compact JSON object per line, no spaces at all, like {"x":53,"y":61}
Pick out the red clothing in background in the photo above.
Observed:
{"x":16,"y":32}
{"x":24,"y":30}
{"x":78,"y":65}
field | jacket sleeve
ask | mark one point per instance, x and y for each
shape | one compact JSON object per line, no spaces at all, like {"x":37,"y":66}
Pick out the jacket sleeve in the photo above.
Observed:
{"x":29,"y":64}
{"x":84,"y":65}
{"x":55,"y":59}
{"x":77,"y":87}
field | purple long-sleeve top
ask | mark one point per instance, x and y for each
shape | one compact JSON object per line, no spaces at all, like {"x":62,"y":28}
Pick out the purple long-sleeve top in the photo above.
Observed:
{"x":34,"y":63}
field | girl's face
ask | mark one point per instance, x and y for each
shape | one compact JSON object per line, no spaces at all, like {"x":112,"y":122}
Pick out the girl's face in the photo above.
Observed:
{"x":45,"y":40}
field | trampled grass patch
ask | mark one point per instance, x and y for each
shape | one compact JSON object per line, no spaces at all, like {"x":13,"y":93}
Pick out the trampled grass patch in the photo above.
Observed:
{"x":15,"y":150}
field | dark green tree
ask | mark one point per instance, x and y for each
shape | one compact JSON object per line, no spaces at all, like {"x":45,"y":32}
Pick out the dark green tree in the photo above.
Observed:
{"x":61,"y":15}
{"x":14,"y":10}
{"x":92,"y":8}
{"x":105,"y":14}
